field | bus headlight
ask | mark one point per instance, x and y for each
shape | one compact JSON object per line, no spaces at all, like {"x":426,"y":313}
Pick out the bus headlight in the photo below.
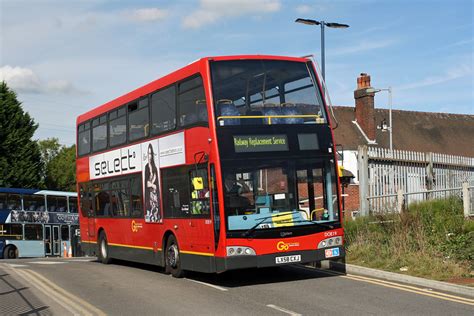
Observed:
{"x":330,"y":242}
{"x":240,"y":251}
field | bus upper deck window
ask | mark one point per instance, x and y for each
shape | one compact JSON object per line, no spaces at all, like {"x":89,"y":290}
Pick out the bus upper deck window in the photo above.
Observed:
{"x":138,"y":120}
{"x":192,"y":106}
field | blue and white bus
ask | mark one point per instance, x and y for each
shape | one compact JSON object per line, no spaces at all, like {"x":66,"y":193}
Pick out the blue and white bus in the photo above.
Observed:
{"x":37,"y":223}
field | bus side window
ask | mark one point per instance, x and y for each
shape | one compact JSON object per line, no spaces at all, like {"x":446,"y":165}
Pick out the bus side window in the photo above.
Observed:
{"x":64,"y":232}
{"x":163,"y":110}
{"x":138,"y":120}
{"x":136,"y":197}
{"x":84,"y":139}
{"x":33,"y":232}
{"x":85,"y":200}
{"x":192,"y":107}
{"x":199,"y":192}
{"x":72,"y":205}
{"x":3,"y":201}
{"x":176,"y":203}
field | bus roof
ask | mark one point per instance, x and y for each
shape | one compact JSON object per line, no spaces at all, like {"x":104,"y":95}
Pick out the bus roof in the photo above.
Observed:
{"x":37,"y":191}
{"x":170,"y":78}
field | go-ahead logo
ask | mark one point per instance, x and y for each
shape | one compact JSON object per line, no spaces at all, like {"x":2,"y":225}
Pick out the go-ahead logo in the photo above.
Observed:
{"x":136,"y":226}
{"x":283,"y":246}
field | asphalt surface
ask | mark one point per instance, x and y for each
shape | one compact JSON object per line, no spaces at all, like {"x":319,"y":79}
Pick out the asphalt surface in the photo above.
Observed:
{"x":82,"y":286}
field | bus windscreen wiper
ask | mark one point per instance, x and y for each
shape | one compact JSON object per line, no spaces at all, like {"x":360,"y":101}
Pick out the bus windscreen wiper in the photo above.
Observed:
{"x":263,"y":219}
{"x":316,"y":223}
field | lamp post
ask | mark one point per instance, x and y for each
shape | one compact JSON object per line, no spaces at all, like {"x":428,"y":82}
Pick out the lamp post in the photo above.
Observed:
{"x":322,"y":24}
{"x":390,"y":129}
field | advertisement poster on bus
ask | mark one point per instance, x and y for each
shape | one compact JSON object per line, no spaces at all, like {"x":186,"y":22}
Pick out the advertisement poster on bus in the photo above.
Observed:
{"x":21,"y":216}
{"x":151,"y":181}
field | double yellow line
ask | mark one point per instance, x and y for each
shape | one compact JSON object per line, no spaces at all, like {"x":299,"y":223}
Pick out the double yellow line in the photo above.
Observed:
{"x":65,"y":299}
{"x":402,"y":287}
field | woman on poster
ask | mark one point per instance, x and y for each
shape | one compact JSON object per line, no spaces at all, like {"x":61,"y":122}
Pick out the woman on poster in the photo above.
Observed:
{"x":151,"y":188}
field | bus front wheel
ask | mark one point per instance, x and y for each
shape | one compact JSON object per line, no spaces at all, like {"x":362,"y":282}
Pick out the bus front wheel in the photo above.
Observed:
{"x":104,"y":256}
{"x":173,"y":258}
{"x":10,"y":252}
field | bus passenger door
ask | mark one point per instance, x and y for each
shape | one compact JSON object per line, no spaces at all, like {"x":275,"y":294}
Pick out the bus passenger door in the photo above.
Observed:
{"x":47,"y":241}
{"x":56,"y":242}
{"x":201,"y":228}
{"x":91,"y":226}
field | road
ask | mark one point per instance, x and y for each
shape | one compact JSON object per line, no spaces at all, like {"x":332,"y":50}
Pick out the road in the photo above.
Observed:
{"x":84,"y":286}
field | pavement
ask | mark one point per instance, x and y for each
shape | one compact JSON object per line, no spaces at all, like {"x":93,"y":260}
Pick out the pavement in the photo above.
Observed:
{"x":397,"y":277}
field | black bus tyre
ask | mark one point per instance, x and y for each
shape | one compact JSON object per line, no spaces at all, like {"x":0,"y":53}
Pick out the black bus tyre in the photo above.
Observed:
{"x":173,"y":258}
{"x":104,"y":255}
{"x":10,"y":252}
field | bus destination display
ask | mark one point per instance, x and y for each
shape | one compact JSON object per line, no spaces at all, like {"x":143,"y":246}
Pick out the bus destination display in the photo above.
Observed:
{"x":260,"y":143}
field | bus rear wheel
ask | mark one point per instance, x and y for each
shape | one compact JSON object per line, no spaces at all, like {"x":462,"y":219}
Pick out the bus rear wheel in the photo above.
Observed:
{"x":173,"y":258}
{"x":104,"y":256}
{"x":10,"y":252}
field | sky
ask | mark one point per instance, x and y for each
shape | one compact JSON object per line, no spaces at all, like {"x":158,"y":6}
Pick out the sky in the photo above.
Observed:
{"x":63,"y":58}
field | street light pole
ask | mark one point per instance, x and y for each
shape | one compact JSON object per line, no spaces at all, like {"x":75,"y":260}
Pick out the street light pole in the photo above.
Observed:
{"x":390,"y":117}
{"x":323,"y":62}
{"x":322,"y":24}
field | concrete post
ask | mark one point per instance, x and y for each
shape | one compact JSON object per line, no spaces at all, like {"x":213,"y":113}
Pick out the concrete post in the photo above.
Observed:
{"x":363,"y":168}
{"x":466,"y":199}
{"x":429,"y":175}
{"x":400,"y":201}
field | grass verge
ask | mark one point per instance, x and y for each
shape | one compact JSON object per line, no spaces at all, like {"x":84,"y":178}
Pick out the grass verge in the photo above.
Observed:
{"x":429,"y":239}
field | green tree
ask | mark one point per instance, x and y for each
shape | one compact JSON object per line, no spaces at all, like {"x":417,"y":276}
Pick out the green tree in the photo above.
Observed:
{"x":49,"y":148}
{"x":61,"y":170}
{"x":20,"y":158}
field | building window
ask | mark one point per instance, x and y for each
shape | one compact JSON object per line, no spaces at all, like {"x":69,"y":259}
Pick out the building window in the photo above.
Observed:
{"x":192,"y":108}
{"x":163,"y":110}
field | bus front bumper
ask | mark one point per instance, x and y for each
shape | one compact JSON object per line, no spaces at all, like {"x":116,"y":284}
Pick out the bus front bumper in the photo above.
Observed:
{"x":278,"y":259}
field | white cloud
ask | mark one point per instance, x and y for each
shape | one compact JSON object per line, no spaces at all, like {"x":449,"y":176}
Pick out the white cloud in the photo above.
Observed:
{"x":210,"y":11}
{"x":20,"y":79}
{"x":364,"y":46}
{"x":25,"y":80}
{"x":303,"y":8}
{"x":147,"y":15}
{"x":456,"y":72}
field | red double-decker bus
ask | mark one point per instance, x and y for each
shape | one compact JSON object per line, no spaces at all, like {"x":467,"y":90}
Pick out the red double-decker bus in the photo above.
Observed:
{"x":224,"y":164}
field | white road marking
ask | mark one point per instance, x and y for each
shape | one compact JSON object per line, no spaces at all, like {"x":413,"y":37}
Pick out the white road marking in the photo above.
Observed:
{"x":47,"y":262}
{"x":283,"y":310}
{"x":80,"y":260}
{"x":13,"y":265}
{"x":220,"y":288}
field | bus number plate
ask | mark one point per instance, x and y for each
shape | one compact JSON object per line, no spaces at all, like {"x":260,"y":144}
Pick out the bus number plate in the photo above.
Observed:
{"x":288,"y":259}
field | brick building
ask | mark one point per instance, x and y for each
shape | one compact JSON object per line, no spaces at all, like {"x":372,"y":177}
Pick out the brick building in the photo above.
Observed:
{"x":443,"y":133}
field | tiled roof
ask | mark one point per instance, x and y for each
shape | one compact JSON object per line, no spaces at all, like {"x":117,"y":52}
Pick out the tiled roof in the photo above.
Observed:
{"x":417,"y":131}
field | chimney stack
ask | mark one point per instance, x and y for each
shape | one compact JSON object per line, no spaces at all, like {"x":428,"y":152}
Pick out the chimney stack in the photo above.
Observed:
{"x":364,"y":106}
